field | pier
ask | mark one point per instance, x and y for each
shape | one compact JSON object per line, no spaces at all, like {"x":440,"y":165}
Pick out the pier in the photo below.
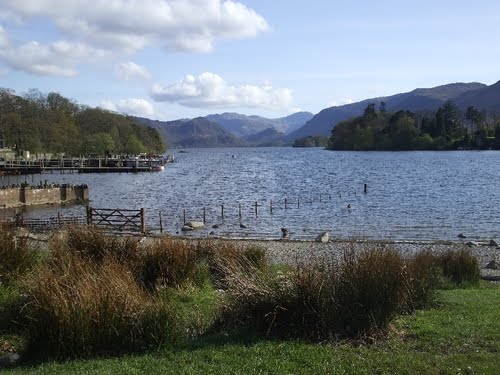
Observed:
{"x":116,"y":164}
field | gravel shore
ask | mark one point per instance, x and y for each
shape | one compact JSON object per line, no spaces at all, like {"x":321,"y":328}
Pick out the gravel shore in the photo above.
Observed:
{"x":292,"y":252}
{"x":286,"y":251}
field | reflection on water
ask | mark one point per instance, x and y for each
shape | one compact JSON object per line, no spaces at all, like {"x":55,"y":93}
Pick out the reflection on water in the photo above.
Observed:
{"x":411,"y":195}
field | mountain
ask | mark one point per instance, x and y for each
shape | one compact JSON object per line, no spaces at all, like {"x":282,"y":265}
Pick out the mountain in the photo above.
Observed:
{"x":242,"y":125}
{"x":198,"y":132}
{"x":267,"y":137}
{"x":416,"y":100}
{"x":487,"y":98}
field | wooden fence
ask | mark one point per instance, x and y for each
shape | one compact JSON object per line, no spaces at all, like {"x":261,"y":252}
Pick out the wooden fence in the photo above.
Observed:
{"x":44,"y":224}
{"x":117,"y":220}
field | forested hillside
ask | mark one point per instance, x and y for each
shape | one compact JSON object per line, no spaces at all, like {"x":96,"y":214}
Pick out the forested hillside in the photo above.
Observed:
{"x":51,"y":123}
{"x":448,"y":128}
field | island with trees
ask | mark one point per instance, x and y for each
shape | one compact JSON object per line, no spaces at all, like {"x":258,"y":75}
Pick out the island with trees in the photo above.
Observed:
{"x":445,"y":129}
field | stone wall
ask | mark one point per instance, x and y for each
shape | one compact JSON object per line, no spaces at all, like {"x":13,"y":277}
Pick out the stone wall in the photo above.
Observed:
{"x":26,"y":195}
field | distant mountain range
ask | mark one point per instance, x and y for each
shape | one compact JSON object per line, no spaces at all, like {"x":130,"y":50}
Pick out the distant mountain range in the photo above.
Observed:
{"x":463,"y":94}
{"x":228,"y":129}
{"x":233,"y":129}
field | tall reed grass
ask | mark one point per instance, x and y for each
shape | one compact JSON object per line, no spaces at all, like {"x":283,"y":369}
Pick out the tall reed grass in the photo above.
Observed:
{"x":17,"y":255}
{"x":80,"y":308}
{"x":356,"y":296}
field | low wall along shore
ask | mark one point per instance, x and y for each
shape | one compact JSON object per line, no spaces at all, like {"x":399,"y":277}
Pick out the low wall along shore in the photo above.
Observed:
{"x":26,"y":195}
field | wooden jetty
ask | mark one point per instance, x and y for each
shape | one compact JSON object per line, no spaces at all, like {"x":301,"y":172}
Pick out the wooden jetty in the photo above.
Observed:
{"x":117,"y":164}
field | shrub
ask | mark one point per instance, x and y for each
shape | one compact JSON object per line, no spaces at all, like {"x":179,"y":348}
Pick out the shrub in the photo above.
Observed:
{"x":459,"y":266}
{"x":16,"y":255}
{"x":168,"y":262}
{"x":80,"y":308}
{"x":369,"y":290}
{"x":423,"y":275}
{"x":92,"y":243}
{"x":356,"y":296}
{"x":224,"y":257}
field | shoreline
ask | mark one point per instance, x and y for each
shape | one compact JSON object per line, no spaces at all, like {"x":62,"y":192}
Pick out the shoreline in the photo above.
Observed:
{"x":292,"y":251}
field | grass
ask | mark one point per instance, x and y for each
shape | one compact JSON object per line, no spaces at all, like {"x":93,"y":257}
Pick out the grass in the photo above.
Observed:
{"x":220,"y":303}
{"x":460,"y":336}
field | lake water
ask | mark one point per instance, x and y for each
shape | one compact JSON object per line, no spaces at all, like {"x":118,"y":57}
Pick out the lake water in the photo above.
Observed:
{"x":411,"y":195}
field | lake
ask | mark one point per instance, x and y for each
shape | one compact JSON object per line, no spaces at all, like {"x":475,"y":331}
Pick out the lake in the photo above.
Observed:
{"x":411,"y":195}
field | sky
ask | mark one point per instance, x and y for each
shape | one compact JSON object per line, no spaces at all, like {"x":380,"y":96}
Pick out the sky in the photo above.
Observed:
{"x":171,"y":59}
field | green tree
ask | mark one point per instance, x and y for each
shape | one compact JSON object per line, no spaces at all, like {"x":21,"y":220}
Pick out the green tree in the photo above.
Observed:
{"x":134,"y":146}
{"x":447,"y":120}
{"x":97,"y":144}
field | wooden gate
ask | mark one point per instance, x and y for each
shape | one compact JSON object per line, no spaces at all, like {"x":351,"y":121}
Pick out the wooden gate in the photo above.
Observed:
{"x":117,"y":220}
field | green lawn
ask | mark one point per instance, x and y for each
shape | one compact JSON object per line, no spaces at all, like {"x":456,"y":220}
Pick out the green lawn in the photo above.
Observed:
{"x":460,"y":335}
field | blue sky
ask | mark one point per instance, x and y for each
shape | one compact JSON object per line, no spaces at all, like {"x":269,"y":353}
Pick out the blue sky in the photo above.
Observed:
{"x":186,"y":58}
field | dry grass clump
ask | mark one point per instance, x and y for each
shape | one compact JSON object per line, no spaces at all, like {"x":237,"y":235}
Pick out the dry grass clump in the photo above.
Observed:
{"x":354,"y":297}
{"x":167,"y":262}
{"x":80,"y":308}
{"x":459,"y":266}
{"x":224,"y":257}
{"x":93,"y":243}
{"x":423,"y":275}
{"x":16,"y":255}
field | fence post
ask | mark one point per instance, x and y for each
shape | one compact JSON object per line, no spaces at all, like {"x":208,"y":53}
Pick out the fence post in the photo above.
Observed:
{"x":161,"y":222}
{"x":89,"y":215}
{"x":143,"y":220}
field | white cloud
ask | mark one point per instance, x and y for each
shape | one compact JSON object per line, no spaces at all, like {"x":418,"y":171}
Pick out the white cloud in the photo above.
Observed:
{"x":57,"y":59}
{"x":132,"y":106}
{"x":180,"y":25}
{"x":210,"y":90}
{"x":4,"y":39}
{"x":130,"y":70}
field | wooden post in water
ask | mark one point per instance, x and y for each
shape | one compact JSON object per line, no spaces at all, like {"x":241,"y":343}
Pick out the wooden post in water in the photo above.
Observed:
{"x":286,"y":201}
{"x":320,"y":196}
{"x":222,"y":211}
{"x":161,"y":222}
{"x":298,"y":202}
{"x":184,"y":222}
{"x":271,"y":207}
{"x":256,"y":212}
{"x":365,"y":190}
{"x":239,"y":209}
{"x":204,"y":215}
{"x":143,"y":220}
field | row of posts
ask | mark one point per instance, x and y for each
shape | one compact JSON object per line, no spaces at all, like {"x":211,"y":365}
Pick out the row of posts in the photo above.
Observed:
{"x":256,"y":208}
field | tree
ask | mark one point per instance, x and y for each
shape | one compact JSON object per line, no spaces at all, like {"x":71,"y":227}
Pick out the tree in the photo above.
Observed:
{"x":382,"y":107}
{"x":475,"y":118}
{"x":447,"y":119}
{"x":369,"y":113}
